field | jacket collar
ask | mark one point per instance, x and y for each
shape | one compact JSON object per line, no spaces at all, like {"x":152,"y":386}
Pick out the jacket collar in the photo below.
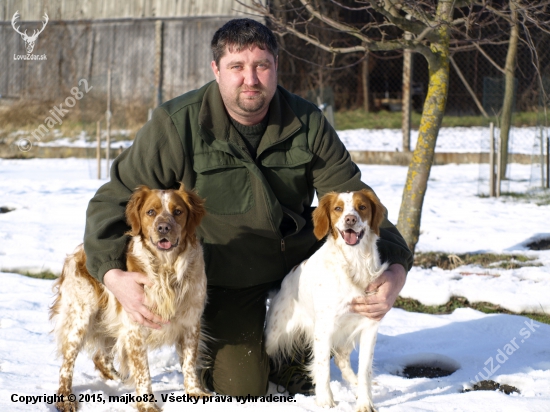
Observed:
{"x":214,"y":123}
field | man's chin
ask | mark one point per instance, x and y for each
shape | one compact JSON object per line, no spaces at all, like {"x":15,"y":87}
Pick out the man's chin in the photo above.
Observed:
{"x":251,"y":107}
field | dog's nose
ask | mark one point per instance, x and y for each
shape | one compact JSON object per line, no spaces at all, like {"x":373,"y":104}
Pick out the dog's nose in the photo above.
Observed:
{"x":163,"y":228}
{"x":350,"y":220}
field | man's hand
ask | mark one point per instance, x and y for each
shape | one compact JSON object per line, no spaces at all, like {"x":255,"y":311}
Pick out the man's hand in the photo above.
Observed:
{"x":128,"y":289}
{"x":381,"y":294}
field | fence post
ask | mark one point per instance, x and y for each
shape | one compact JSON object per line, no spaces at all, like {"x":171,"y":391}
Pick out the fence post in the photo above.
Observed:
{"x":158,"y":61}
{"x":98,"y":149}
{"x":499,"y":164}
{"x":406,"y":99}
{"x":108,"y":120}
{"x":547,"y":160}
{"x":491,"y":159}
{"x":365,"y":76}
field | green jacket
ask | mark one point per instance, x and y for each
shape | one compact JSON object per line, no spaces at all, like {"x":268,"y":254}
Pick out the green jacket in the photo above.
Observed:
{"x":191,"y":140}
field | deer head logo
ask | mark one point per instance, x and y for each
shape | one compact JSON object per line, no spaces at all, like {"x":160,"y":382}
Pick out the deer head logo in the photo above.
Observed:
{"x":29,"y":40}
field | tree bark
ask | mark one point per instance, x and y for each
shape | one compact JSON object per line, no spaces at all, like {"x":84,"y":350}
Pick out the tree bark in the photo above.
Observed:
{"x":508,"y":102}
{"x":418,"y":174}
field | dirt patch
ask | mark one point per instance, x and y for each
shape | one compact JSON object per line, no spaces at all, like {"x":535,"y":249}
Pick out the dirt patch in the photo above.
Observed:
{"x":430,"y":372}
{"x":493,"y":386}
{"x":541,"y":244}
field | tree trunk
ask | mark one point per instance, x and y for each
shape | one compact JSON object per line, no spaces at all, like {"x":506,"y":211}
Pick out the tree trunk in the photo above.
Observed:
{"x":508,"y":102}
{"x":414,"y":191}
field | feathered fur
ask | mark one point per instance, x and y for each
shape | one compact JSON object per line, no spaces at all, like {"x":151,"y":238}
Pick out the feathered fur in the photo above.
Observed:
{"x":163,"y":246}
{"x":312,"y":307}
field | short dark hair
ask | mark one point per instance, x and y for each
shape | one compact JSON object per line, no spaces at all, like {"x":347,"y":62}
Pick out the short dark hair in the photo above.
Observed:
{"x":240,"y":33}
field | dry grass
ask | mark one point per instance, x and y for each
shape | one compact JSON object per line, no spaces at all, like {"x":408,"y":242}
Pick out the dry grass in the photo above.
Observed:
{"x":449,"y":261}
{"x":26,"y":116}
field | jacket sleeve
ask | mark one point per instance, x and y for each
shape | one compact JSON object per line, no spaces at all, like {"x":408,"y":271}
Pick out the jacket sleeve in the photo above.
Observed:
{"x":155,"y":159}
{"x":333,"y":170}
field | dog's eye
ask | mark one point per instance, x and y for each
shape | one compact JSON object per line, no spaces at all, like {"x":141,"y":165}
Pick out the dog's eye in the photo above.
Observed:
{"x":177,"y":212}
{"x":338,"y":208}
{"x":362,"y":207}
{"x":151,"y":212}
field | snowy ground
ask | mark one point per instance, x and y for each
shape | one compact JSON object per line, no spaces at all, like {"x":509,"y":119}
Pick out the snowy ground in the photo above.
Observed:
{"x":50,"y":198}
{"x":525,"y":140}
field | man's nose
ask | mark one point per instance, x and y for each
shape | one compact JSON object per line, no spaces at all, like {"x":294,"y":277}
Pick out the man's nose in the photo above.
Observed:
{"x":250,"y":76}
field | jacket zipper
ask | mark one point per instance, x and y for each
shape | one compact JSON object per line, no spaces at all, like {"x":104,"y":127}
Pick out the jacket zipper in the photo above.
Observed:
{"x":282,"y":245}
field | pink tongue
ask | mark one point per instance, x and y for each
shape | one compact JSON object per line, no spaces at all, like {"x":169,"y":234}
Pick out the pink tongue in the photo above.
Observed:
{"x":164,"y":244}
{"x":350,"y":237}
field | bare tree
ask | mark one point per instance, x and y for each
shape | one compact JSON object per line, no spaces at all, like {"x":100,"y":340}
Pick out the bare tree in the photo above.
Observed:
{"x":437,"y":28}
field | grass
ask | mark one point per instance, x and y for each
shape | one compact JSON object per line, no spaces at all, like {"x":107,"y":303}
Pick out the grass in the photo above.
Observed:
{"x":449,"y":261}
{"x":44,"y":274}
{"x":412,"y":305}
{"x":358,"y":119}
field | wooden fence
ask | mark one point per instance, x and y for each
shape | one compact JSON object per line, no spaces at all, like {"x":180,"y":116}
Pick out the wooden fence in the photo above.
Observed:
{"x":131,"y":48}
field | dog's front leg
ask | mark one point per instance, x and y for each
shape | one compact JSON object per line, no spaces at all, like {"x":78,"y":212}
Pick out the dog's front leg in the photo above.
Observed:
{"x":341,"y":359}
{"x":321,"y":363}
{"x":136,"y":353}
{"x":188,"y":351}
{"x":366,"y":355}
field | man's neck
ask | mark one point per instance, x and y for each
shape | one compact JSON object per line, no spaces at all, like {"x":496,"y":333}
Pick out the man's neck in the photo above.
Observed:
{"x":248,"y":120}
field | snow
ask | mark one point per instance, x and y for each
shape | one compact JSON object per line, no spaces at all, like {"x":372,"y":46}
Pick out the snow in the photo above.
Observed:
{"x":50,"y":197}
{"x":525,"y":140}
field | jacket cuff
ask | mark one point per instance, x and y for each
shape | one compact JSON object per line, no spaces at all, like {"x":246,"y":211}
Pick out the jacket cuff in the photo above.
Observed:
{"x":107,"y":266}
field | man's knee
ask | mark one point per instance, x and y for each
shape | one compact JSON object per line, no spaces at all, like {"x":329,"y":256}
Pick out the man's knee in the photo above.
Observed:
{"x":237,"y":370}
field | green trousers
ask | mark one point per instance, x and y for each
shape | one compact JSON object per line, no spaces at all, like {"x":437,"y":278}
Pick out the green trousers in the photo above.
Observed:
{"x":237,"y":363}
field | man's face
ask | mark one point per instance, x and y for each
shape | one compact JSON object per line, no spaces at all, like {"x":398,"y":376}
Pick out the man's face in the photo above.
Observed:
{"x":247,"y":80}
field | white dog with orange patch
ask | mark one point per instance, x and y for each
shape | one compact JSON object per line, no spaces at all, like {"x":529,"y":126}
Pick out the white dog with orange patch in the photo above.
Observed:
{"x":163,"y":246}
{"x":312,"y":307}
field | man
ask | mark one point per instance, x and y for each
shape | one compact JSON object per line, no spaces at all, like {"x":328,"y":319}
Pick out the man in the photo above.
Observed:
{"x":257,"y":154}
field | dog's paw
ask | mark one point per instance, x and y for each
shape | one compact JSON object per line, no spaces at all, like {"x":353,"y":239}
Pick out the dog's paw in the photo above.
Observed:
{"x":324,"y":400}
{"x":365,"y":407}
{"x":147,"y":407}
{"x":66,"y":406}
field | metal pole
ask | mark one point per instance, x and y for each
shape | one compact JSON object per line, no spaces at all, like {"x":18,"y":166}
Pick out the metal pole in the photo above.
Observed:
{"x":492,"y":160}
{"x":98,"y":149}
{"x":108,"y":120}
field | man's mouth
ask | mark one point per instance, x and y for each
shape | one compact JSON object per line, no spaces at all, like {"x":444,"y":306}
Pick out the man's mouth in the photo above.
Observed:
{"x":165,"y":244}
{"x":351,"y":237}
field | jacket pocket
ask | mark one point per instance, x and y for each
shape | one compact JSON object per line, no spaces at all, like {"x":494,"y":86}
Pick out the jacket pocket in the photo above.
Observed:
{"x":224,"y":183}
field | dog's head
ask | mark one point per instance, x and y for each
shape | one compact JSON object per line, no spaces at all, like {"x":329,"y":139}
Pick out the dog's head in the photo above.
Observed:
{"x":348,"y":215}
{"x":165,"y":219}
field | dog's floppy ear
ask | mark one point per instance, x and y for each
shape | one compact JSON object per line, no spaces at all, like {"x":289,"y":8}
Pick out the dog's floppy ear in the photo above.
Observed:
{"x":378,"y":211}
{"x":133,"y":209}
{"x":321,"y":215}
{"x":195,"y":205}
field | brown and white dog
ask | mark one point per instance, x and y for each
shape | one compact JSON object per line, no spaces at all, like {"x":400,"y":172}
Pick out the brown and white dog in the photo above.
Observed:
{"x":312,"y":307}
{"x":164,"y":247}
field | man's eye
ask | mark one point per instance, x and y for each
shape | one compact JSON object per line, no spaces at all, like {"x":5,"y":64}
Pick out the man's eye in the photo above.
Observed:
{"x":151,"y":212}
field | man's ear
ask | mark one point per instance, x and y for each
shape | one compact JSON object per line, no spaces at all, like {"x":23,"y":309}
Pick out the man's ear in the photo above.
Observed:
{"x":215,"y":70}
